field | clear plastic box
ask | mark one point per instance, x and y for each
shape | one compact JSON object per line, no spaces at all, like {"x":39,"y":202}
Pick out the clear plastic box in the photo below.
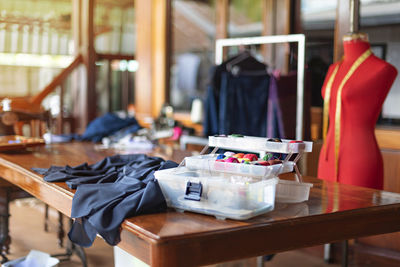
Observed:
{"x":208,"y":162}
{"x":286,"y":191}
{"x":216,"y":193}
{"x":257,"y":144}
{"x":292,"y":191}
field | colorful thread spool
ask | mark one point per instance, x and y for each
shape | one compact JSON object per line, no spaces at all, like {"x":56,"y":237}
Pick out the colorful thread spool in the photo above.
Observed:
{"x":268,"y":156}
{"x":232,"y":160}
{"x":220,"y":156}
{"x":229,"y":154}
{"x":263,"y":163}
{"x":274,"y":161}
{"x":251,"y":157}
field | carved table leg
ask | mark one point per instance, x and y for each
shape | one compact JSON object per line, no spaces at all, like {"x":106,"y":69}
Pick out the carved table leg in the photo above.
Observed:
{"x":61,"y":232}
{"x":72,"y":248}
{"x":5,"y":238}
{"x":46,"y":217}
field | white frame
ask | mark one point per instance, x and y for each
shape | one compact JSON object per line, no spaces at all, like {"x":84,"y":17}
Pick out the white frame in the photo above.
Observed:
{"x":274,"y":39}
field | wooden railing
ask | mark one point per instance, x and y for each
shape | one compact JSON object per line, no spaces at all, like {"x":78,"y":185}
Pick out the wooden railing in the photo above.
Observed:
{"x":33,"y":104}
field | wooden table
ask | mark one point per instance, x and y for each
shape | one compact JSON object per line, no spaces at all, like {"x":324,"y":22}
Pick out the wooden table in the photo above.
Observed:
{"x":334,"y":212}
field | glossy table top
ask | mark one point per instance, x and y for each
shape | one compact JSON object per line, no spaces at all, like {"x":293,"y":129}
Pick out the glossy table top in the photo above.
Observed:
{"x":333,"y":212}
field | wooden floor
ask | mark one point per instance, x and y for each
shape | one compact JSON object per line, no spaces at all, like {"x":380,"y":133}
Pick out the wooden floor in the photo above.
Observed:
{"x":26,"y":228}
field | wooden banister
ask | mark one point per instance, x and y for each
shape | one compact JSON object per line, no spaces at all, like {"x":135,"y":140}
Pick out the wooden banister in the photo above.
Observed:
{"x":33,"y":104}
{"x":57,"y":81}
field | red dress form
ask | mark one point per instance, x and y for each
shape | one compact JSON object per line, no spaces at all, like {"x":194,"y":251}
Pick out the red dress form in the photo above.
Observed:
{"x":360,"y":160}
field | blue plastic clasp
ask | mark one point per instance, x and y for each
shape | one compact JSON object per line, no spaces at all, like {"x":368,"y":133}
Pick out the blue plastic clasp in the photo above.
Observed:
{"x":193,"y":191}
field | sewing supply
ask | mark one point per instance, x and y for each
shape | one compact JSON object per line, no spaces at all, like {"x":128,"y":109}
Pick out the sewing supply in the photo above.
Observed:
{"x":232,"y":160}
{"x":251,"y":157}
{"x":268,"y":156}
{"x":274,"y":140}
{"x":220,"y":156}
{"x":244,"y":160}
{"x":238,"y":155}
{"x":229,"y":154}
{"x":274,"y":161}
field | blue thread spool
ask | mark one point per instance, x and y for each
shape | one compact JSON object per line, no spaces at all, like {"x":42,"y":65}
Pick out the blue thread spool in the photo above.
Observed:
{"x":221,"y":156}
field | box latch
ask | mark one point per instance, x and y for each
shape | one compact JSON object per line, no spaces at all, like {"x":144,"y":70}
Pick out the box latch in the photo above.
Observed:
{"x":193,"y":191}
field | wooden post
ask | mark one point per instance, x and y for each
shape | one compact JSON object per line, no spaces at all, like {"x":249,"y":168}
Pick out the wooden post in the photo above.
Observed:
{"x":222,"y":17}
{"x":280,"y":17}
{"x":89,"y":60}
{"x":153,"y":18}
{"x":283,"y":19}
{"x":344,"y":24}
{"x":60,"y":117}
{"x":162,"y":53}
{"x":109,"y":85}
{"x":76,"y":76}
{"x":269,"y":26}
{"x":143,"y":81}
{"x":84,"y":80}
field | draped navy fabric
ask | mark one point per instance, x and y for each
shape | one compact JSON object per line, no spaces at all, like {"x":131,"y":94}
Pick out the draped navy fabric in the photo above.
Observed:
{"x":109,"y":191}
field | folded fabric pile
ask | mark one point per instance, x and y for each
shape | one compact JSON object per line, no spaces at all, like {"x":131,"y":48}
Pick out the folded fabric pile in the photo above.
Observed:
{"x":109,"y":191}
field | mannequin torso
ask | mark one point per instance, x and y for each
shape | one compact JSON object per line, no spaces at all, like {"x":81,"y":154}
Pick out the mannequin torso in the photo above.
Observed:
{"x":360,"y":160}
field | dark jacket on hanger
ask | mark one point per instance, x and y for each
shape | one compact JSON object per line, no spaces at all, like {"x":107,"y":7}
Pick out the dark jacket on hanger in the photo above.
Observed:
{"x":243,"y":103}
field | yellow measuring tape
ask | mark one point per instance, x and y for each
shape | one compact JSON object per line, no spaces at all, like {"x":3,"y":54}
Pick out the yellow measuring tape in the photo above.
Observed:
{"x":327,"y":98}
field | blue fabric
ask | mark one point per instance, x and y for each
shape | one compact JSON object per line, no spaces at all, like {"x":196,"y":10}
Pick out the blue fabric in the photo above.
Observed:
{"x":210,"y":123}
{"x":243,"y":104}
{"x":106,"y":125}
{"x":109,"y":191}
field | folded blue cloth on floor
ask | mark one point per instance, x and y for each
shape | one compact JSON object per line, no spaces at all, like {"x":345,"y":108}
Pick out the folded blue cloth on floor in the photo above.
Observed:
{"x":109,"y":191}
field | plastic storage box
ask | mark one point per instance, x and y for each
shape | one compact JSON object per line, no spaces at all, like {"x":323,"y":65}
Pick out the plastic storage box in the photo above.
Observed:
{"x":292,"y":191}
{"x":258,"y":144}
{"x":286,"y":191}
{"x":208,"y":162}
{"x":216,"y":193}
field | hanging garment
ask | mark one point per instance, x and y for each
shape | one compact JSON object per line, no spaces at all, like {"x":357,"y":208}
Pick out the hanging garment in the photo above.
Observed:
{"x":248,"y":105}
{"x":211,"y":105}
{"x":109,"y":191}
{"x":244,"y":103}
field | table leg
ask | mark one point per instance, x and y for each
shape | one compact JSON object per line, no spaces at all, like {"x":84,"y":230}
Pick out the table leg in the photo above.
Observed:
{"x":71,"y":248}
{"x":260,"y":261}
{"x":46,"y":217}
{"x":61,"y":232}
{"x":345,"y":253}
{"x":328,"y":253}
{"x":5,"y":238}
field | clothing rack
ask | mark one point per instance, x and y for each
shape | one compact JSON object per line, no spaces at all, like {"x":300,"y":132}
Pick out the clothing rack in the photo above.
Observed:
{"x":274,"y":39}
